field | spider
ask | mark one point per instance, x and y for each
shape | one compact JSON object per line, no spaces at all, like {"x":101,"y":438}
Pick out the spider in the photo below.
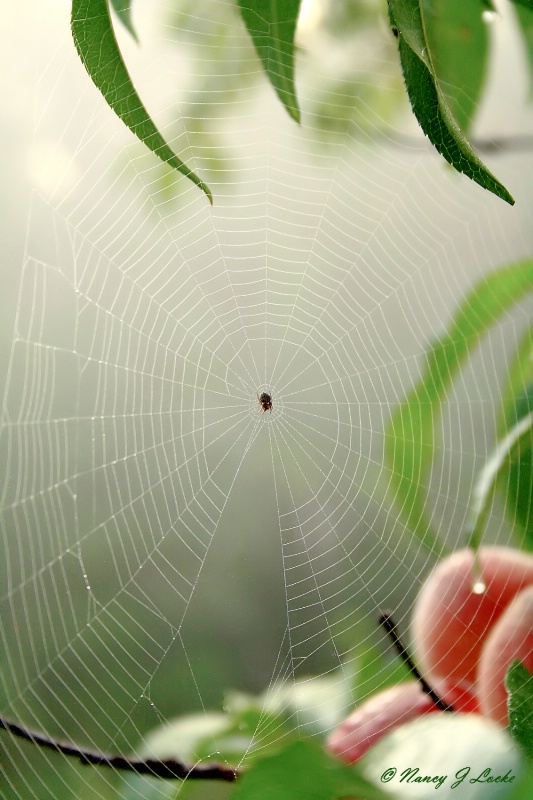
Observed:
{"x":265,"y":401}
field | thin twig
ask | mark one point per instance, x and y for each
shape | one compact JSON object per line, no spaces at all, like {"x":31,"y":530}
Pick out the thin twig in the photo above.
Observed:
{"x":386,"y":622}
{"x":156,"y":768}
{"x":496,"y":145}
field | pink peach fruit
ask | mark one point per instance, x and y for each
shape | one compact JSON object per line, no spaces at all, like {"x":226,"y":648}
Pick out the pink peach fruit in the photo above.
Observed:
{"x":510,"y":639}
{"x":388,"y":710}
{"x":451,"y":621}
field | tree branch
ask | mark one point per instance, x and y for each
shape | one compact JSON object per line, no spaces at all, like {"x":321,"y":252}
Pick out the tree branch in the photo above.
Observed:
{"x":156,"y":768}
{"x":386,"y":622}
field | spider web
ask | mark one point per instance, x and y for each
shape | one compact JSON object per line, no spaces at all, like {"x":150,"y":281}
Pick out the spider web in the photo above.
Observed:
{"x":163,"y":540}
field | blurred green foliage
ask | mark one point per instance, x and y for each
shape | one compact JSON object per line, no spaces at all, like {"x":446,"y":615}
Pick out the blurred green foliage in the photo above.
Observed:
{"x":519,"y":683}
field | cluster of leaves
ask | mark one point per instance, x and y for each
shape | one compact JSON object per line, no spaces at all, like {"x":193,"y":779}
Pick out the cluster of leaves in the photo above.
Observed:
{"x":443,"y":47}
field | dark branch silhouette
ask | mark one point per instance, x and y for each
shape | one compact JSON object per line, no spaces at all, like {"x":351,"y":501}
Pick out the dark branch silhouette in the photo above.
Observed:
{"x":386,"y":622}
{"x":156,"y":768}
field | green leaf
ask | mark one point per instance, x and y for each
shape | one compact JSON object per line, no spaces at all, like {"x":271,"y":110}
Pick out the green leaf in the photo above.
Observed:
{"x":191,"y":739}
{"x":519,"y":376}
{"x":186,"y":737}
{"x":524,"y":3}
{"x":427,"y":98}
{"x":244,"y":728}
{"x":516,"y":478}
{"x":251,"y":731}
{"x":484,"y":489}
{"x":303,"y":771}
{"x":272,"y":25}
{"x":519,"y":684}
{"x":515,"y":481}
{"x":453,"y":751}
{"x":523,"y":790}
{"x":458,"y":40}
{"x":97,"y":47}
{"x":411,"y":440}
{"x":122,"y":9}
